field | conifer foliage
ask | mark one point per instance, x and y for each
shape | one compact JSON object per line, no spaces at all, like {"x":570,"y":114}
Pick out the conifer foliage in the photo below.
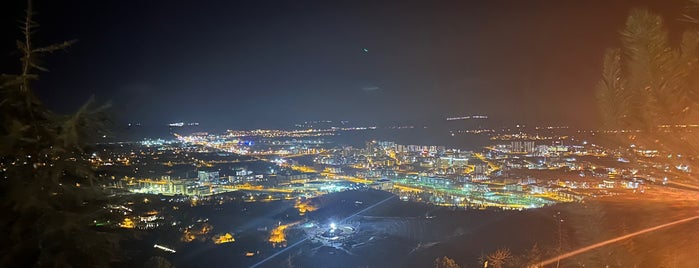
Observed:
{"x":651,"y":86}
{"x":49,"y":190}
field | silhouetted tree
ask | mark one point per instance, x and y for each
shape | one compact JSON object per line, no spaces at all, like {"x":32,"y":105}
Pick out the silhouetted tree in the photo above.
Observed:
{"x":530,"y":257}
{"x":499,"y":258}
{"x":691,"y":12}
{"x":651,"y":86}
{"x":445,"y":262}
{"x":48,"y":188}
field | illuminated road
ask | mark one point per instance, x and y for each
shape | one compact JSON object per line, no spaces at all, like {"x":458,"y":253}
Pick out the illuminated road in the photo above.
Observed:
{"x":493,"y":167}
{"x":284,"y":155}
{"x":407,"y":188}
{"x":347,"y":178}
{"x":306,"y":169}
{"x":257,"y":189}
{"x":278,"y":234}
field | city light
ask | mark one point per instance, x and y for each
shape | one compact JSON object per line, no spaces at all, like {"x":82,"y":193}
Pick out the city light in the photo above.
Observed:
{"x":353,"y":134}
{"x":164,"y":248}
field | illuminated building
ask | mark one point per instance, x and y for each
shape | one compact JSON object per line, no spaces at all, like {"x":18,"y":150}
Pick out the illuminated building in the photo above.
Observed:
{"x":278,"y":237}
{"x":224,"y":238}
{"x":608,"y":184}
{"x":208,"y":176}
{"x":370,"y":147}
{"x":304,"y":207}
{"x":127,"y":223}
{"x":382,"y":184}
{"x":529,"y":146}
{"x":522,"y":146}
{"x":334,"y":235}
{"x":445,"y":162}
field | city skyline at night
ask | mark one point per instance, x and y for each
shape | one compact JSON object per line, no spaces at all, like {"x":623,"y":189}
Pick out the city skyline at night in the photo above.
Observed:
{"x":349,"y":134}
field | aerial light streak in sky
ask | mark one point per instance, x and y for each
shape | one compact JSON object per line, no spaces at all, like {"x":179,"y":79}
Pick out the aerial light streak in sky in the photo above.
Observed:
{"x":610,"y":241}
{"x":467,"y":117}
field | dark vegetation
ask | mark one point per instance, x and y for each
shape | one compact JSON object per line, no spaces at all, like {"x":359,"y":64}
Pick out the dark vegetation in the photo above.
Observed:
{"x":50,"y":194}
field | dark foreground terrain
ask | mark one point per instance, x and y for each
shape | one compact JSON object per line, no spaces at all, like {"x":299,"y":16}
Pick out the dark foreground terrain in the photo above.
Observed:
{"x":406,"y":234}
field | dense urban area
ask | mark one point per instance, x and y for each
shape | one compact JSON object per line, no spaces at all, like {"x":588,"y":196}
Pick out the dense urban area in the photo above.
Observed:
{"x":518,"y":168}
{"x":442,"y":134}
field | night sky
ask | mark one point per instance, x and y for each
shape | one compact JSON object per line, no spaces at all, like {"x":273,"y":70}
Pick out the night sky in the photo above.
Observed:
{"x":243,"y":64}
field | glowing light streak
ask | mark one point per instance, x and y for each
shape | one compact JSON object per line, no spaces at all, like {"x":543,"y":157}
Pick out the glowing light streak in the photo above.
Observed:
{"x":369,"y":207}
{"x":610,"y":241}
{"x":305,"y":239}
{"x":164,"y":248}
{"x":693,"y":187}
{"x":467,"y":117}
{"x":280,"y":252}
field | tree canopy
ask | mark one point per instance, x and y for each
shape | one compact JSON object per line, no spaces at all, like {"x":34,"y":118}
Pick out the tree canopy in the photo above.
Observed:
{"x":49,"y":189}
{"x":649,"y":86}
